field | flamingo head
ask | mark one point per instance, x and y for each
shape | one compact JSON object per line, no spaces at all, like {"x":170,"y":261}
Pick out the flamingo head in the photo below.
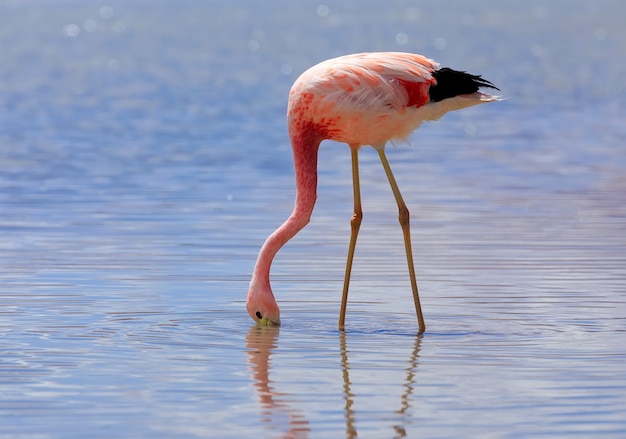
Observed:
{"x":262,"y":306}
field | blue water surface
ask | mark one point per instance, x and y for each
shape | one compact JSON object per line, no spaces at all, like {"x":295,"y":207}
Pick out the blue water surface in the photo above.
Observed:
{"x":144,"y":158}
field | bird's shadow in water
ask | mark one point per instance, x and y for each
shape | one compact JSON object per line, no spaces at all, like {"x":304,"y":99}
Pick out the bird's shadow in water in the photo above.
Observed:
{"x":260,"y":344}
{"x":349,"y":397}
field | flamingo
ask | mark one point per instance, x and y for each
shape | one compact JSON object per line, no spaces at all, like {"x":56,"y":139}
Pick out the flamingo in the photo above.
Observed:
{"x":360,"y":99}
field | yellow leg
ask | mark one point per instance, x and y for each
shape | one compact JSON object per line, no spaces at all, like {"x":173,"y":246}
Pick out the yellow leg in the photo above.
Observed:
{"x":355,"y":224}
{"x":403,"y":217}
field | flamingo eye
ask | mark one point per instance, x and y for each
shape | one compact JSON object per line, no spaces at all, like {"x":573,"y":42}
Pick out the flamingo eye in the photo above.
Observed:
{"x":259,"y":315}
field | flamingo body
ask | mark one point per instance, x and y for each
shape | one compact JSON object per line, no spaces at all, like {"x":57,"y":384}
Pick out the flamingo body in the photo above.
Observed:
{"x":360,"y":99}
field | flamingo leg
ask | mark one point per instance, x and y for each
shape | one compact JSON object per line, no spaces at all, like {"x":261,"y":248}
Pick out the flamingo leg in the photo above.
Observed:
{"x":403,"y":217}
{"x":355,"y":224}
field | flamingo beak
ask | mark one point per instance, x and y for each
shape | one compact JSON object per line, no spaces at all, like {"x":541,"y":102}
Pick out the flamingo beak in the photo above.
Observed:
{"x":267,"y":322}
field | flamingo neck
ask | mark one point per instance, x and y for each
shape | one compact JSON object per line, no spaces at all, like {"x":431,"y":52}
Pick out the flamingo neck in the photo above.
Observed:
{"x":305,"y":144}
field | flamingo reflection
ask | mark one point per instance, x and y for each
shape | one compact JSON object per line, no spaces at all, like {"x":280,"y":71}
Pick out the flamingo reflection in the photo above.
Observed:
{"x":408,"y":385}
{"x":260,"y":342}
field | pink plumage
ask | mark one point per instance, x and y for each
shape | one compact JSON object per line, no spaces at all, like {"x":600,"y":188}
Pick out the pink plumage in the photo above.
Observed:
{"x":360,"y":99}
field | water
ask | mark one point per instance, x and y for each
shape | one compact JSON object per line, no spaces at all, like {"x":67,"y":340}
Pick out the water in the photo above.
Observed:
{"x":145,"y":158}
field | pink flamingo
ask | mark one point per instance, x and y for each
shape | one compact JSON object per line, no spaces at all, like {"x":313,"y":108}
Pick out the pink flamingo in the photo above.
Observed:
{"x":361,"y":99}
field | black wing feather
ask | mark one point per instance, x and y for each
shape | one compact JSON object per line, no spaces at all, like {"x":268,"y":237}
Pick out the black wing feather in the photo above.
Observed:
{"x":452,"y":83}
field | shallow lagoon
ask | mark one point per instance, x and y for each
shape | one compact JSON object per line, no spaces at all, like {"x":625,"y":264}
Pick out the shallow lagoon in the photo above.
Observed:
{"x":145,"y":158}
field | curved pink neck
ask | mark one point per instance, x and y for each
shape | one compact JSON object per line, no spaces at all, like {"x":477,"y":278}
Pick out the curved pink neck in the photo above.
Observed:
{"x":305,"y":143}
